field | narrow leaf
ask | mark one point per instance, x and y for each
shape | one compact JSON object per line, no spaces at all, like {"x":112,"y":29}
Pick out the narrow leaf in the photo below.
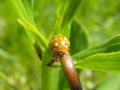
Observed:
{"x":65,"y":13}
{"x":23,"y":15}
{"x":28,"y":4}
{"x":70,"y":11}
{"x":78,"y":38}
{"x":24,"y":10}
{"x":101,"y":62}
{"x":29,"y":27}
{"x":111,"y":45}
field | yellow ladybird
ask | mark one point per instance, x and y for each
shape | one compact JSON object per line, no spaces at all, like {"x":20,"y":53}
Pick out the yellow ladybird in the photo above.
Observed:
{"x":60,"y":44}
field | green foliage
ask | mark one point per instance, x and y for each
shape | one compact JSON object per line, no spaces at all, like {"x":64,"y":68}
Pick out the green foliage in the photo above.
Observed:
{"x":88,"y":25}
{"x":101,"y":62}
{"x":111,"y":45}
{"x":65,"y":13}
{"x":78,"y":38}
{"x":24,"y":10}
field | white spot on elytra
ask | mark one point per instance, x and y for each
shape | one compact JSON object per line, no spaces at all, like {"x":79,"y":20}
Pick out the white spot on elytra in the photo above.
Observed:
{"x":56,"y":44}
{"x":63,"y":43}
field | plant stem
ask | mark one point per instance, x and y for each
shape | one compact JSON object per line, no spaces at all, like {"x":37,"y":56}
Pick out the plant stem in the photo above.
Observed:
{"x":70,"y":72}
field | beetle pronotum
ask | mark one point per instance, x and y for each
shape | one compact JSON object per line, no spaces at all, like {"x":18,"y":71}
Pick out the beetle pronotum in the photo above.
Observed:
{"x":60,"y":47}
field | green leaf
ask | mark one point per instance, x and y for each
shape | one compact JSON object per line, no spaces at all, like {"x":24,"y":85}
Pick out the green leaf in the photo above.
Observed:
{"x":39,"y":37}
{"x":78,"y":38}
{"x":69,"y":12}
{"x":65,"y":13}
{"x":23,"y":15}
{"x":112,"y":45}
{"x":101,"y":62}
{"x":28,"y":4}
{"x":20,"y":9}
{"x":24,"y":10}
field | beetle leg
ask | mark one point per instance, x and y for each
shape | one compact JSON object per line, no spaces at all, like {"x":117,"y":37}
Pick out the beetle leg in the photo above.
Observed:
{"x":54,"y":59}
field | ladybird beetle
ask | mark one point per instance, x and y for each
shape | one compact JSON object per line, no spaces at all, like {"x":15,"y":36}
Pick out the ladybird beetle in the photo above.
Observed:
{"x":60,"y":44}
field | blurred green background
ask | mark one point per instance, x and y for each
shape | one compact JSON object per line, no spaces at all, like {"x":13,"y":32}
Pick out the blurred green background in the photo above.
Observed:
{"x":20,"y":68}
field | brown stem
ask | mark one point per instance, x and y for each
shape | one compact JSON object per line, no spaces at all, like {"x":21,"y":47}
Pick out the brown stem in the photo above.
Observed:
{"x":70,"y":72}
